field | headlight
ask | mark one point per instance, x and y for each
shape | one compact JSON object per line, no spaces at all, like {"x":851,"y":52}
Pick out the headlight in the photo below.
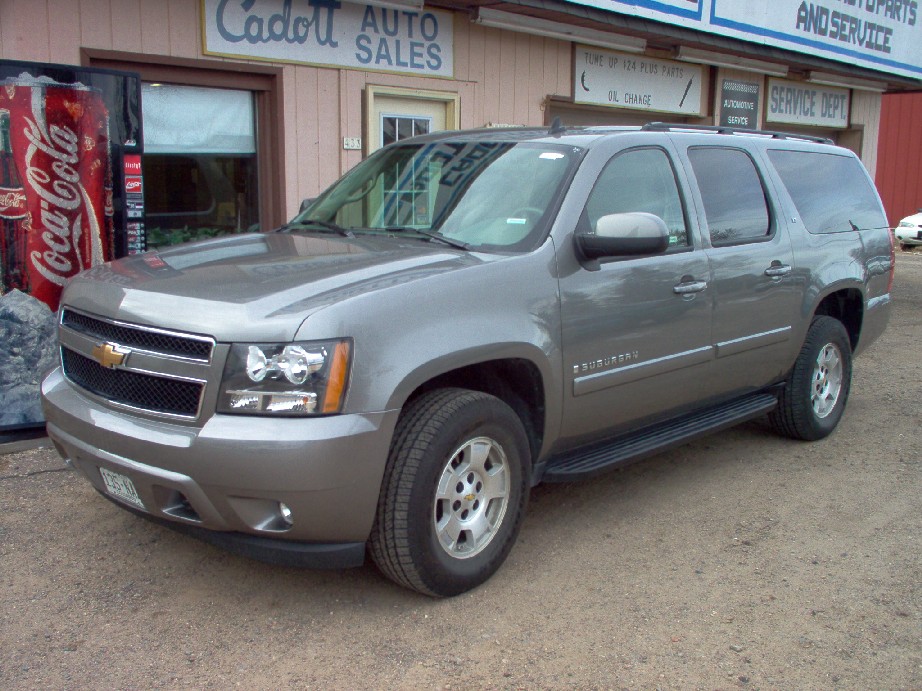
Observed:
{"x":905,"y":224}
{"x":286,"y":379}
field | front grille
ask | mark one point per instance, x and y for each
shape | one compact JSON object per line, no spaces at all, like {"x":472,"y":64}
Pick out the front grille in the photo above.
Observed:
{"x":141,"y":338}
{"x":156,"y":394}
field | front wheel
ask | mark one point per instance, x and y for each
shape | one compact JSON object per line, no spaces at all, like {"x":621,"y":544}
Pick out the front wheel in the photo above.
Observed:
{"x":817,"y":388}
{"x":454,"y":492}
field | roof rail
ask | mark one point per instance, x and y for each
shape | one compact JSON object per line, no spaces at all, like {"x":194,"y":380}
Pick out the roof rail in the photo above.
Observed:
{"x":668,"y":127}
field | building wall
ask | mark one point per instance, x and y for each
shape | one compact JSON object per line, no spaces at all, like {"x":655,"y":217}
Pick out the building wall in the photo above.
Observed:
{"x":899,"y":170}
{"x":502,"y":77}
{"x":865,"y":116}
{"x":321,"y":105}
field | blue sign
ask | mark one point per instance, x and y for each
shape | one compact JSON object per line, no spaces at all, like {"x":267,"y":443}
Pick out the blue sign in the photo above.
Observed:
{"x":883,"y":35}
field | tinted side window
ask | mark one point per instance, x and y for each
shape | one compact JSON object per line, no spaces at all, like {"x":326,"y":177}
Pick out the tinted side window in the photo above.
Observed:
{"x":640,"y":180}
{"x":731,"y":189}
{"x":831,"y":192}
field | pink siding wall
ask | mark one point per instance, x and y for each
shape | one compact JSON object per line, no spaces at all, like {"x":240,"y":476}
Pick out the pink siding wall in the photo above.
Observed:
{"x":501,"y":77}
{"x":899,"y":162}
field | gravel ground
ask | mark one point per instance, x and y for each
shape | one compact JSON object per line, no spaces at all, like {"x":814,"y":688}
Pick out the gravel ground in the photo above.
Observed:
{"x":739,"y":561}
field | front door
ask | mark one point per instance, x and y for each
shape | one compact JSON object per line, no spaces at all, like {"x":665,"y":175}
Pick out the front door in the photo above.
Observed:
{"x":637,"y":332}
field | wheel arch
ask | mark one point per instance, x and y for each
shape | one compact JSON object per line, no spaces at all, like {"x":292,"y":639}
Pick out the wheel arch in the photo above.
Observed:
{"x":517,"y":380}
{"x":847,"y":305}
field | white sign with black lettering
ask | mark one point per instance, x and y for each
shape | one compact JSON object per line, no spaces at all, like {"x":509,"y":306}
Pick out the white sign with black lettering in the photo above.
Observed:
{"x":605,"y":78}
{"x":800,"y":103}
{"x":329,"y":32}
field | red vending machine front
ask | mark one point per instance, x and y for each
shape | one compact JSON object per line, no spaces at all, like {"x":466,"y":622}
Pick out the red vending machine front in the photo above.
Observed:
{"x":65,"y":136}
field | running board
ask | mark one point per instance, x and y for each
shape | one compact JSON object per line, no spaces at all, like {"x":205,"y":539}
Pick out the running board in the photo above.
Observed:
{"x":592,"y":460}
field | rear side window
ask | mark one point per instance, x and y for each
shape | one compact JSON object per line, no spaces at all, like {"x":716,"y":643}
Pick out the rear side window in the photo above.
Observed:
{"x":733,"y":196}
{"x":831,"y":192}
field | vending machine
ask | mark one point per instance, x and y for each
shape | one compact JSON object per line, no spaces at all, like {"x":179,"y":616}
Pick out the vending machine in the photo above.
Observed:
{"x":71,"y":197}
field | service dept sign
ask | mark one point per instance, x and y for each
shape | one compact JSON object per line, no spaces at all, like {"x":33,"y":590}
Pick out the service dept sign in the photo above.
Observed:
{"x":328,"y":32}
{"x":799,"y":103}
{"x":605,"y":78}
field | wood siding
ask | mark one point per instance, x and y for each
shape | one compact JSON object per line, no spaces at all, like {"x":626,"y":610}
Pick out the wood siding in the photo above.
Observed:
{"x":501,"y":77}
{"x":865,"y":117}
{"x":899,"y":166}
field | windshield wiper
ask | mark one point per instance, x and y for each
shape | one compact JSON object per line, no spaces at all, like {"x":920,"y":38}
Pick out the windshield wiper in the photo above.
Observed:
{"x":457,"y":244}
{"x":327,"y":225}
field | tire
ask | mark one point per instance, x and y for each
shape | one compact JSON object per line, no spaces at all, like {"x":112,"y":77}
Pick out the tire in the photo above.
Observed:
{"x":454,"y":492}
{"x":817,"y":387}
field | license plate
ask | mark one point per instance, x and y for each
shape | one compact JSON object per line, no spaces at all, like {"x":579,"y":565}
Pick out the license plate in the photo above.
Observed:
{"x":121,"y":487}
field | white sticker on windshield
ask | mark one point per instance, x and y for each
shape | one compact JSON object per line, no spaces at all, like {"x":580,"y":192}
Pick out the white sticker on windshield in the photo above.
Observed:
{"x":550,"y":156}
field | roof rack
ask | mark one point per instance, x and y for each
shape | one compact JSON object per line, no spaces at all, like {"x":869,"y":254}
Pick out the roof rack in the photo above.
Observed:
{"x":667,"y":127}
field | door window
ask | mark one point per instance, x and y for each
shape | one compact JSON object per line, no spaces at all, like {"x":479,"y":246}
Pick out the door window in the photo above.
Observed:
{"x":395,"y":128}
{"x":640,"y":180}
{"x":400,"y":191}
{"x":732,"y":193}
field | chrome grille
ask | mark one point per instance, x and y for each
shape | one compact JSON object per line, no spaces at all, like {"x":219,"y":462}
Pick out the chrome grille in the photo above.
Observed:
{"x":153,"y":340}
{"x":144,"y":391}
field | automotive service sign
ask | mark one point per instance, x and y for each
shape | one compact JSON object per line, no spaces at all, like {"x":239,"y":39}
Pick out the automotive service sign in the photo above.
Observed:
{"x":883,"y":35}
{"x":329,"y":32}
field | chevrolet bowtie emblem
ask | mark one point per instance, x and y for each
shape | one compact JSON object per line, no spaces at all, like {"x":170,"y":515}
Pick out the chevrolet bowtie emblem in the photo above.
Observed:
{"x":110,"y":355}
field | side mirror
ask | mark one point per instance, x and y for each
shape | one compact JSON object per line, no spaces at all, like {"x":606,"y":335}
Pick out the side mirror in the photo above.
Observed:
{"x":624,"y":235}
{"x":305,"y":204}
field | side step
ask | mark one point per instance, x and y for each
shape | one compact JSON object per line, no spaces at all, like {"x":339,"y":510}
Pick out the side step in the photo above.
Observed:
{"x":597,"y":458}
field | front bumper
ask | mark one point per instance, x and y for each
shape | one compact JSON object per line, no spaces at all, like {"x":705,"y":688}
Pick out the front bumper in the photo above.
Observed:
{"x":226,"y":480}
{"x":908,"y":236}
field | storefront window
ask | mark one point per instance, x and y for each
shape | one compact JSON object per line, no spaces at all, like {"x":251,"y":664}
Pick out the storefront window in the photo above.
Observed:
{"x":199,"y":163}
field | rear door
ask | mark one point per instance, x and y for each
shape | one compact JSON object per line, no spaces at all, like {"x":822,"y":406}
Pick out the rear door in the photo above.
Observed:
{"x":754,"y":300}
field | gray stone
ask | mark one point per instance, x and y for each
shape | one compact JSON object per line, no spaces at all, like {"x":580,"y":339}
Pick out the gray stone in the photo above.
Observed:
{"x":29,"y":337}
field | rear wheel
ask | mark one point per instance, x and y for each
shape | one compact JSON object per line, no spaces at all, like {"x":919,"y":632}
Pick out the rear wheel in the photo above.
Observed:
{"x":817,"y":387}
{"x":454,"y":492}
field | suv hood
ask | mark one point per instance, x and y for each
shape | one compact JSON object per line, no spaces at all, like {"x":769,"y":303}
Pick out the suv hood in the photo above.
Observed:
{"x":258,"y":287}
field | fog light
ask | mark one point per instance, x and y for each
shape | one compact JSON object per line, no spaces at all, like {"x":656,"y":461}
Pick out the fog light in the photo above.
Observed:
{"x":285,"y":513}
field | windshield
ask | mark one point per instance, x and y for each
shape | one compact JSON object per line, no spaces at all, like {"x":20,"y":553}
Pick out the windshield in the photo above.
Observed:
{"x":477,"y":195}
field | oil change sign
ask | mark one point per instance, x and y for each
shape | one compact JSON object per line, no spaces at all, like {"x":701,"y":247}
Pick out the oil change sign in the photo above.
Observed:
{"x":605,"y":78}
{"x":329,"y":32}
{"x":798,"y":103}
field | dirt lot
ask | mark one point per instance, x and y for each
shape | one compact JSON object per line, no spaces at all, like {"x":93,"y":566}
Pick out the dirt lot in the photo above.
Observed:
{"x":742,"y":560}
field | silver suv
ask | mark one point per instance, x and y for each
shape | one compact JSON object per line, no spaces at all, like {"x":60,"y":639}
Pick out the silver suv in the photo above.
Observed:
{"x":460,"y":317}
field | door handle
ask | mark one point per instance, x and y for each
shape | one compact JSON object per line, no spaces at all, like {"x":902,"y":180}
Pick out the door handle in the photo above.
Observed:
{"x":689,"y":287}
{"x":777,"y":270}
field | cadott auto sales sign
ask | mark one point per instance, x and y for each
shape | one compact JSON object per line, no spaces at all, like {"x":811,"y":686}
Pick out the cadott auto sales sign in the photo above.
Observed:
{"x":329,"y":32}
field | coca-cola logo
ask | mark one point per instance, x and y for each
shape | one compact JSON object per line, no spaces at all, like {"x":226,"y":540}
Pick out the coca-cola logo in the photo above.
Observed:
{"x":12,"y":203}
{"x":63,"y":197}
{"x":133,"y":185}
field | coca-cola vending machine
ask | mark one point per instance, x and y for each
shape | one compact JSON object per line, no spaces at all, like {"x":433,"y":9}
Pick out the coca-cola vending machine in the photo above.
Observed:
{"x":70,"y":198}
